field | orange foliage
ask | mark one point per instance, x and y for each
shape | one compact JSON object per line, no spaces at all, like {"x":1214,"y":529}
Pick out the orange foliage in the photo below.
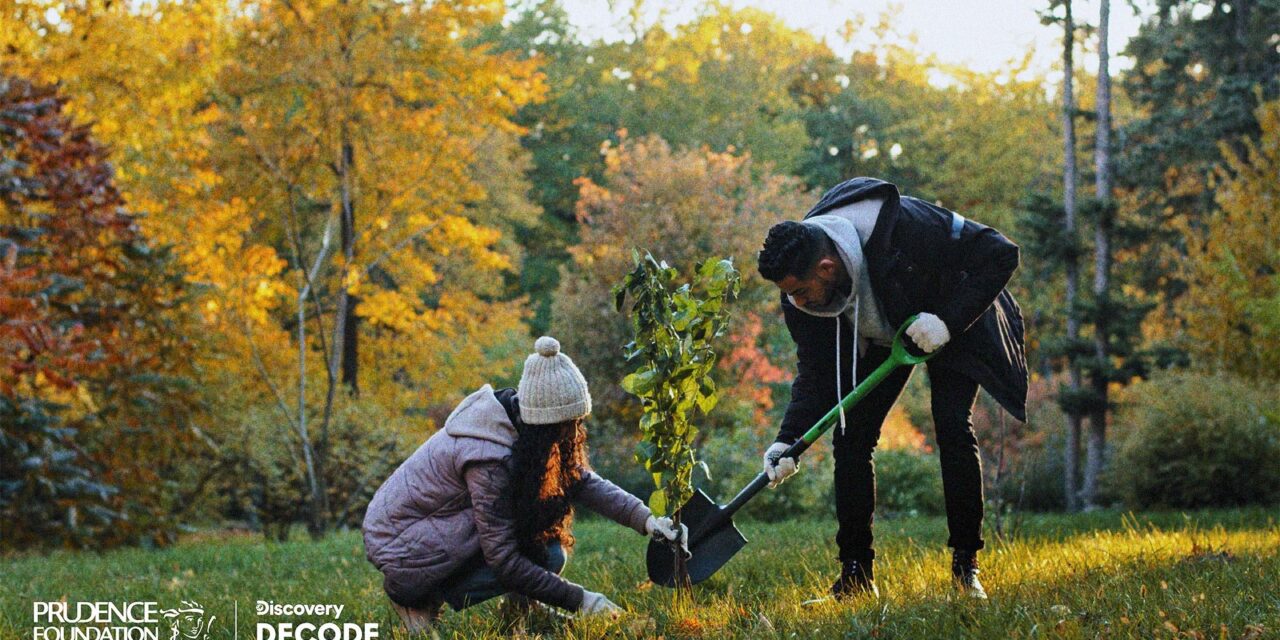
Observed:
{"x":754,"y":370}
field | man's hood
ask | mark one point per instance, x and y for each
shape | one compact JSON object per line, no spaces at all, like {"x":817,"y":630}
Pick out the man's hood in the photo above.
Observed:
{"x":845,"y":236}
{"x":480,"y":415}
{"x":854,"y":190}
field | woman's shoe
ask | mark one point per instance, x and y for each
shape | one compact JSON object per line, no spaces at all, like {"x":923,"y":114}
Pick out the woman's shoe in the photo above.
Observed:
{"x":418,"y":620}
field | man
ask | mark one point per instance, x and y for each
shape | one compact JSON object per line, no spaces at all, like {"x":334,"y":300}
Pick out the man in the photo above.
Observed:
{"x":863,"y":261}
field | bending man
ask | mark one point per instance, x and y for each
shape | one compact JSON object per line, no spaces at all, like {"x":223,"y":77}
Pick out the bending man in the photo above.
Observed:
{"x":862,"y":261}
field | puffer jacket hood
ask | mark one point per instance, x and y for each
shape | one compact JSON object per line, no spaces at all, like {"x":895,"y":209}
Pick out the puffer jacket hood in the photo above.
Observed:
{"x":481,"y":416}
{"x":423,"y":511}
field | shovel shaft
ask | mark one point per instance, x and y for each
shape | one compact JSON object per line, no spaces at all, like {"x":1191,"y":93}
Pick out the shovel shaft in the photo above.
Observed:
{"x":712,"y":528}
{"x":748,"y":492}
{"x":897,"y":357}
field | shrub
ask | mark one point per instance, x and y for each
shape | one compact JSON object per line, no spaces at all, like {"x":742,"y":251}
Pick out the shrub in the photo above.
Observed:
{"x":1198,"y":441}
{"x":908,"y":483}
{"x":734,"y":458}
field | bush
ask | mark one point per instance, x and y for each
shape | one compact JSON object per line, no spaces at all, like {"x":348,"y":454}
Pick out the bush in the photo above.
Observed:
{"x":734,"y":458}
{"x":908,"y":483}
{"x":1198,"y":441}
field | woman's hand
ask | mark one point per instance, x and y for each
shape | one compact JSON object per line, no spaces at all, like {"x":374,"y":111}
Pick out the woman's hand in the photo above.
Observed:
{"x":594,"y":603}
{"x":665,"y":529}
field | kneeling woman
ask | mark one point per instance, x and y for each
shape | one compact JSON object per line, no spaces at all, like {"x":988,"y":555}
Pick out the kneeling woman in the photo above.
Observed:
{"x":483,"y":507}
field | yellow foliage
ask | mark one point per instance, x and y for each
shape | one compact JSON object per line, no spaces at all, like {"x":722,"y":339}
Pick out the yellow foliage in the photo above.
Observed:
{"x":1232,"y":308}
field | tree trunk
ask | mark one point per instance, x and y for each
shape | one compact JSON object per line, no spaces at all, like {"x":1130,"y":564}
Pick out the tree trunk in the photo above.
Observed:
{"x":1102,"y":268}
{"x":1071,"y":457}
{"x":316,"y":514}
{"x":350,"y":356}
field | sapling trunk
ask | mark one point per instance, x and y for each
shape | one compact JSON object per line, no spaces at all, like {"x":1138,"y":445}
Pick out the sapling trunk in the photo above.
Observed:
{"x":674,"y":327}
{"x":684,"y":585}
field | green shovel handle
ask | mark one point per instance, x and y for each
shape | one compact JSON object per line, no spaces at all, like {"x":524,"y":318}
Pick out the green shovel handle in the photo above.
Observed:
{"x":898,"y":356}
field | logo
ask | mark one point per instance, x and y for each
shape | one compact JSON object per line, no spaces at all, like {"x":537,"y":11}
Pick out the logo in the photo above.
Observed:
{"x":332,"y":628}
{"x":62,"y":620}
{"x":188,"y":622}
{"x":146,"y":620}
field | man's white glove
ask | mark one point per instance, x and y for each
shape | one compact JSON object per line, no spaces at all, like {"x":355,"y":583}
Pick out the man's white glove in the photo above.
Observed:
{"x":777,"y":467}
{"x":929,"y":332}
{"x":594,"y":603}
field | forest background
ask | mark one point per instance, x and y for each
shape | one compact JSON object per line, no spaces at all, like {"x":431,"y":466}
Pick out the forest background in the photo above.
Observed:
{"x":252,"y":253}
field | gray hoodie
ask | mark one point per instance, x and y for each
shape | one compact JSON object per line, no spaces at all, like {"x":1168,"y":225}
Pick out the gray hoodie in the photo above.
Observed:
{"x":849,"y":228}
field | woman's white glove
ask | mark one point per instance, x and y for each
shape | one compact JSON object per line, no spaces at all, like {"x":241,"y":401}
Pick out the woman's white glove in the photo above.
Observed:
{"x":664,"y":529}
{"x":777,"y":467}
{"x":594,"y":603}
{"x":929,"y":332}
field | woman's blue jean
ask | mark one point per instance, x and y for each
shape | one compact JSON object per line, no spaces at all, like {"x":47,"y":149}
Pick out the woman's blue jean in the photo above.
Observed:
{"x":476,"y":582}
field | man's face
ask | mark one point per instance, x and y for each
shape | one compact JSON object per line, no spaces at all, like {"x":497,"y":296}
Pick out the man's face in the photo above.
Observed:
{"x":815,"y":289}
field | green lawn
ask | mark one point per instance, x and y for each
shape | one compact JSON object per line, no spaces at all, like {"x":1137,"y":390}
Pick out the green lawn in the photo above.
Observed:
{"x":1169,"y":575}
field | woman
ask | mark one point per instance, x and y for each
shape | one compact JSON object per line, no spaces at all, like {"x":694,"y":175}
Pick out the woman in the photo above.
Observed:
{"x":483,"y":507}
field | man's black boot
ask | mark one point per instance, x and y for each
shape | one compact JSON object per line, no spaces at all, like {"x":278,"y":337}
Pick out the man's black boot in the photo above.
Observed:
{"x":964,"y":573}
{"x":856,"y":578}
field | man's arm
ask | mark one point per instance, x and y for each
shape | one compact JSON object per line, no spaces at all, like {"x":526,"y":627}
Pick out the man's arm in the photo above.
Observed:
{"x":985,"y":260}
{"x":813,"y":392}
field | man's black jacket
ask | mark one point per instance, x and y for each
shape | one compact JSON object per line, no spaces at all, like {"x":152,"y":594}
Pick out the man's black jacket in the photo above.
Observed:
{"x":921,"y":258}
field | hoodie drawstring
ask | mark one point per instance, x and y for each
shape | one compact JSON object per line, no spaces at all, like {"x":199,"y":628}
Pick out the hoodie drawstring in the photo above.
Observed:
{"x":839,"y":382}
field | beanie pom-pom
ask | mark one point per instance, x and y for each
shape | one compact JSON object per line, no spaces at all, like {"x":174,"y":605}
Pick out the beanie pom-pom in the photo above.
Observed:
{"x":547,"y":346}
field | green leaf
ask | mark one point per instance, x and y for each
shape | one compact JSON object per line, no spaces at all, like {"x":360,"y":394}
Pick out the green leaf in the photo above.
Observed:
{"x":658,"y":502}
{"x":708,"y":402}
{"x":640,"y":383}
{"x":620,"y":295}
{"x":645,"y":451}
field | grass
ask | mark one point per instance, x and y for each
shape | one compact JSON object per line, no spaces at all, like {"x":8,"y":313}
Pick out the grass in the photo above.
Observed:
{"x":1213,"y":574}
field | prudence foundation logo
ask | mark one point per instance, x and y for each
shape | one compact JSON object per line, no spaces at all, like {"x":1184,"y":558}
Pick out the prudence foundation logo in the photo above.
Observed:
{"x":63,"y":620}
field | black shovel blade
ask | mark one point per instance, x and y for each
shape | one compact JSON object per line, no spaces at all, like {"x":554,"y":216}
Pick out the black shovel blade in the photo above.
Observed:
{"x":713,"y":540}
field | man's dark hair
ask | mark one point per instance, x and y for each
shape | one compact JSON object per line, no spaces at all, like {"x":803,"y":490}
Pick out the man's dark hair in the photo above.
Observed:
{"x":792,"y":249}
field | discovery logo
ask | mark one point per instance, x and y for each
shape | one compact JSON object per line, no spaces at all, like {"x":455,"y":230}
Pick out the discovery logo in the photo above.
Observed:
{"x":329,"y":630}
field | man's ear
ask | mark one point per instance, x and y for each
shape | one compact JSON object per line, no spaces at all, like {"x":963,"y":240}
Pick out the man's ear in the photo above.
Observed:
{"x":826,"y":267}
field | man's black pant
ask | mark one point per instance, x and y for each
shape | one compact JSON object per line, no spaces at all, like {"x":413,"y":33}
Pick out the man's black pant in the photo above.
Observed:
{"x":953,"y":395}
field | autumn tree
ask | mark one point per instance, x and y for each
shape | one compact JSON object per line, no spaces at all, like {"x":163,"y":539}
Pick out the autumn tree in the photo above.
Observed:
{"x":1102,"y":374}
{"x":724,"y":80}
{"x":684,"y":205}
{"x":92,"y":346}
{"x":1056,"y":245}
{"x":1200,"y":70}
{"x":354,"y":132}
{"x":1232,"y":303}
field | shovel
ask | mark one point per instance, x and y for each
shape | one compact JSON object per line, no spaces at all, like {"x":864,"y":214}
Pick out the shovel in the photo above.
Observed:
{"x":713,"y":538}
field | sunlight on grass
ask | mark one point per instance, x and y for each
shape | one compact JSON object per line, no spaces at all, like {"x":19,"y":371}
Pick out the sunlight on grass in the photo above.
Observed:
{"x":1207,"y":575}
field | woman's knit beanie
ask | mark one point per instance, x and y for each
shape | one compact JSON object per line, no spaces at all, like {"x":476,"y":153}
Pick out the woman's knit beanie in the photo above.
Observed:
{"x":551,"y":387}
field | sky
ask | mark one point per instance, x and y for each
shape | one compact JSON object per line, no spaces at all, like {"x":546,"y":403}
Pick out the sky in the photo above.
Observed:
{"x":983,"y":35}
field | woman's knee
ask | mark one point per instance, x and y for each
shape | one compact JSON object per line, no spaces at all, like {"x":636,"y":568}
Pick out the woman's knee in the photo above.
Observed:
{"x":556,"y":558}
